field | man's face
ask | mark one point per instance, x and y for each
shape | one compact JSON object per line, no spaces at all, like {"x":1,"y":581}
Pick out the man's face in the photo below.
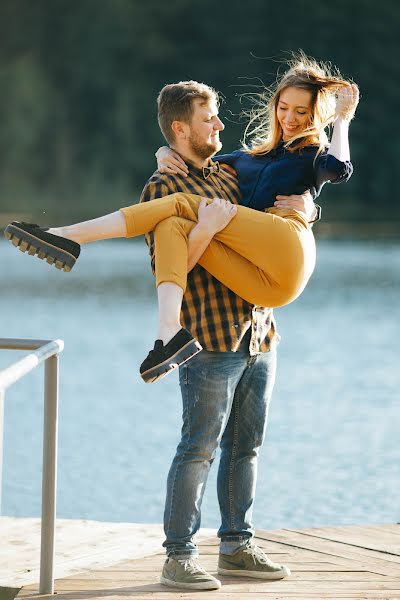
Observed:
{"x":204,"y":129}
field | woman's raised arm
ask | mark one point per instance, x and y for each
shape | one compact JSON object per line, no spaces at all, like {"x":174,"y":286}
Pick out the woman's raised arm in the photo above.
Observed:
{"x":346,"y":104}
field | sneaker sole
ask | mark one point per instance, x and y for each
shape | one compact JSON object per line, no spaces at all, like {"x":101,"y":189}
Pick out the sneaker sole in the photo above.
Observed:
{"x":253,"y":574}
{"x":209,"y":585}
{"x":26,"y":242}
{"x":182,"y":355}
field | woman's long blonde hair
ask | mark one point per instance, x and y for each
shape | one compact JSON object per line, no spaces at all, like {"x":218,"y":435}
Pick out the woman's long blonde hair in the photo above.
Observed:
{"x":264,"y":131}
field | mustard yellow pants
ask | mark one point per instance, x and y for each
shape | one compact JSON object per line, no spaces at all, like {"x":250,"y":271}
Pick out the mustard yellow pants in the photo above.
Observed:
{"x":266,"y":258}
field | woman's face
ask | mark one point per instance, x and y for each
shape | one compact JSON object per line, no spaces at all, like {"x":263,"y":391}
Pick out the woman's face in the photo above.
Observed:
{"x":293,"y":111}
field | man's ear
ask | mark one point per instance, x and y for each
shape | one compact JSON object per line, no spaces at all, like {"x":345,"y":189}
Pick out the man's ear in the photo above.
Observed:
{"x":180,"y":129}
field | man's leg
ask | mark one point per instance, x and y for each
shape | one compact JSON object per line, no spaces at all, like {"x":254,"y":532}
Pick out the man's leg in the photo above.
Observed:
{"x":237,"y":475}
{"x":208,"y":384}
{"x":242,"y":439}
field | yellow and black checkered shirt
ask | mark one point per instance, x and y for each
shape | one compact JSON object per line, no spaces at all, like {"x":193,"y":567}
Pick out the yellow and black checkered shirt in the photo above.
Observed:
{"x":216,"y":316}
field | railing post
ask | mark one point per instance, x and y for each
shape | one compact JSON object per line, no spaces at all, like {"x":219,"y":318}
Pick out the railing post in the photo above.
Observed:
{"x":1,"y":442}
{"x":49,"y":477}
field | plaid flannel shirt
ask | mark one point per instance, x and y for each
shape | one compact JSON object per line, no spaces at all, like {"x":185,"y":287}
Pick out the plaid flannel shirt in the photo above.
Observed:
{"x":216,"y":316}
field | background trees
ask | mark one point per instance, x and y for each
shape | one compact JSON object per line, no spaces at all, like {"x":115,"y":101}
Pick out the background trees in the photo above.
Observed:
{"x":79,"y":81}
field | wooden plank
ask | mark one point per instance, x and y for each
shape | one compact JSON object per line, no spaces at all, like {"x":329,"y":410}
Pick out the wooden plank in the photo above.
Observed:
{"x":239,"y":589}
{"x":299,"y":553}
{"x":321,"y":569}
{"x":237,"y":584}
{"x":109,"y":579}
{"x":276,"y":550}
{"x":299,"y":560}
{"x":302,"y":539}
{"x":358,"y":537}
{"x":388,"y":527}
{"x":390,"y":532}
{"x":226,"y":593}
{"x":221,"y":595}
{"x":283,"y":553}
{"x":295,"y":566}
{"x":371,"y":560}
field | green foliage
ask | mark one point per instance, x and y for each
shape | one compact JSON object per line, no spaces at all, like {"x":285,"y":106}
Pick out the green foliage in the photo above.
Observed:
{"x":79,"y":82}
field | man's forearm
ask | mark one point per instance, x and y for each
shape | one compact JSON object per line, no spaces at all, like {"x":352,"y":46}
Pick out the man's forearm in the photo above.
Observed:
{"x":198,"y":241}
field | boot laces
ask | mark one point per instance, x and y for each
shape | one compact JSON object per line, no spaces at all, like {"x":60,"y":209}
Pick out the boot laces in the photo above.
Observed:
{"x":257,"y":554}
{"x":192,"y":566}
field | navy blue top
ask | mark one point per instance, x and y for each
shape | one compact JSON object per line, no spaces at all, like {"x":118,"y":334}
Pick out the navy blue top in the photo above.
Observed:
{"x":262,"y":178}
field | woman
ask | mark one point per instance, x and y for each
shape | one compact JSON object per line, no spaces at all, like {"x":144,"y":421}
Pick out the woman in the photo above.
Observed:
{"x":264,"y":257}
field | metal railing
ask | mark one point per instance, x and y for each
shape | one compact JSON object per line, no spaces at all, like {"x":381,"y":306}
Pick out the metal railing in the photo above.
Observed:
{"x":42,"y":351}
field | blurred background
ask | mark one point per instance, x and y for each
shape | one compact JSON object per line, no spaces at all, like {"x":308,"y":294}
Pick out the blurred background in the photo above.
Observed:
{"x":79,"y":82}
{"x":78,"y":133}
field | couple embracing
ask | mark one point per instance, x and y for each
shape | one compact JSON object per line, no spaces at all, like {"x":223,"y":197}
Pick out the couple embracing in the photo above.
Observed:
{"x":230,"y":238}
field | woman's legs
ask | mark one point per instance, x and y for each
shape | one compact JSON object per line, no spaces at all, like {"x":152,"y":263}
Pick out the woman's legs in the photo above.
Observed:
{"x":169,"y":310}
{"x":104,"y":228}
{"x":273,"y":258}
{"x":279,"y":245}
{"x":239,"y":274}
{"x":265,"y":258}
{"x":113,"y":225}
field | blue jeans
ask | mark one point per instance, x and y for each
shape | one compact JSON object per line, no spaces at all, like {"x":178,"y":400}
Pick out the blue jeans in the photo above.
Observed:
{"x":225,"y":402}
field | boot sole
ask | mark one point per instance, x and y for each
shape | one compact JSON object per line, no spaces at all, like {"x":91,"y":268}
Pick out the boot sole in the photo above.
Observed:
{"x":181,"y":356}
{"x":26,"y":242}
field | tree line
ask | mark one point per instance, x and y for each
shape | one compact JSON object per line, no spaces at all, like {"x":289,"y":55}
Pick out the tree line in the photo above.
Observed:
{"x":79,"y":82}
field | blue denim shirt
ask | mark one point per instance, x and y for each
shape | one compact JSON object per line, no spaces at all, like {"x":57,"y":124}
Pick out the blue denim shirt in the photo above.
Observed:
{"x":262,"y":178}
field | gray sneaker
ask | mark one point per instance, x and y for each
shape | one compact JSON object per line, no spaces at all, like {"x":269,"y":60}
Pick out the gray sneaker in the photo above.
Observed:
{"x":189,"y":574}
{"x":251,"y":561}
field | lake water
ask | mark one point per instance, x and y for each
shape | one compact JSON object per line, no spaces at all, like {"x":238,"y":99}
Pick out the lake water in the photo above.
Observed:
{"x":332,"y":453}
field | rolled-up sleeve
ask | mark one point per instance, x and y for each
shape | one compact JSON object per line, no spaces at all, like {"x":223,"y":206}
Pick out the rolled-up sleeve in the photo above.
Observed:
{"x":328,"y":168}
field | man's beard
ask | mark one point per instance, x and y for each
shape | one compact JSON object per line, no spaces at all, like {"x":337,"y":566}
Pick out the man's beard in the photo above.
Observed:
{"x":202,"y":149}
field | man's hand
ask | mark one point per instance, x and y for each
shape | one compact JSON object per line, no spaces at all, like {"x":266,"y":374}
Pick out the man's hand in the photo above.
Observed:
{"x":303,"y":204}
{"x":211,"y":219}
{"x":215,"y":216}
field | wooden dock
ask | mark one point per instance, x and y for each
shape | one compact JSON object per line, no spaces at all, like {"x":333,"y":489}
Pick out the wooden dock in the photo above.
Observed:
{"x":339,"y":563}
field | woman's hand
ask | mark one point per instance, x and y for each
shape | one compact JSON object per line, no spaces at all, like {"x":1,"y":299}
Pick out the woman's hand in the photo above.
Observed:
{"x":346,"y":102}
{"x":215,"y":216}
{"x":169,"y":161}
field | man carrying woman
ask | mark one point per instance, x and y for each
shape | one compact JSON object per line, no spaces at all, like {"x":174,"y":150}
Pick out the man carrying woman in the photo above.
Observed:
{"x":226,"y":388}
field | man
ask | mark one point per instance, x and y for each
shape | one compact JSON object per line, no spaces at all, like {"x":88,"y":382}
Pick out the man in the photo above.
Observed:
{"x":226,"y":388}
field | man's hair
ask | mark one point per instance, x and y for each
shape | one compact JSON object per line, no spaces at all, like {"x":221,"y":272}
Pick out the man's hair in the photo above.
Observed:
{"x":175,"y":103}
